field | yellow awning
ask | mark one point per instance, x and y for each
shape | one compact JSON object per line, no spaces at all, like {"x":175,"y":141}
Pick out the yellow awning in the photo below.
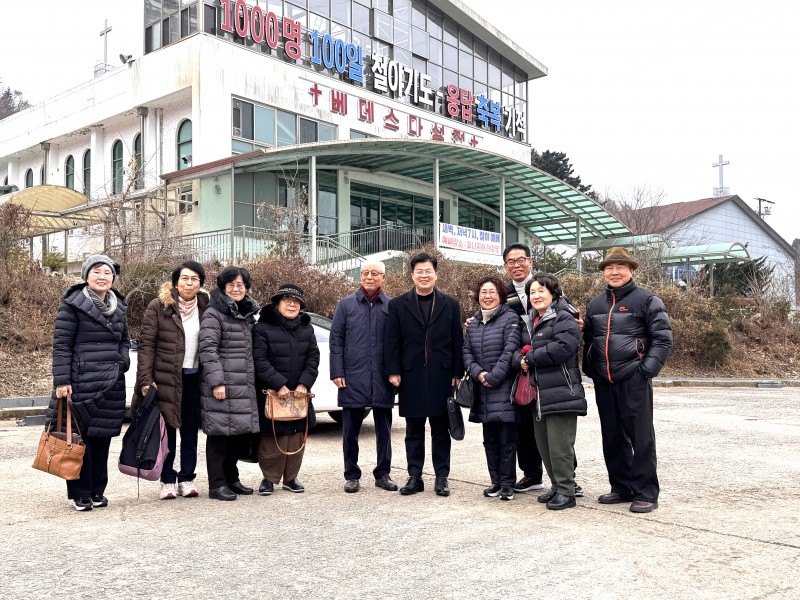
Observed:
{"x":56,"y":208}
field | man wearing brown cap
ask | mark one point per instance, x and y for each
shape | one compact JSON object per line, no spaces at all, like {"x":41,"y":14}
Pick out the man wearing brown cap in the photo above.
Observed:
{"x":627,"y":339}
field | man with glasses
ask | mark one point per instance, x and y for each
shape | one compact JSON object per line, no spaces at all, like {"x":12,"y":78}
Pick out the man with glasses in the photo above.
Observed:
{"x":517,"y":262}
{"x":422,"y":358}
{"x":356,"y":368}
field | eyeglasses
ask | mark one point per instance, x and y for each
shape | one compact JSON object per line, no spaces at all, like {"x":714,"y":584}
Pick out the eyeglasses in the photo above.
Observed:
{"x":290,"y":300}
{"x":424,"y":272}
{"x":235,"y":286}
{"x":519,"y":262}
{"x":371,"y":273}
{"x":488,"y":293}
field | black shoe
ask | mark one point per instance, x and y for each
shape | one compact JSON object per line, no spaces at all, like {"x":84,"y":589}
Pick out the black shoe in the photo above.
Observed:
{"x":643,"y":506}
{"x":578,"y":491}
{"x":614,"y":498}
{"x":507,"y":493}
{"x":99,"y":501}
{"x":82,"y":504}
{"x":386,"y":483}
{"x":493,"y":491}
{"x":545,"y":498}
{"x":294,"y":486}
{"x":440,"y":487}
{"x":528,"y":484}
{"x":266,"y":488}
{"x":412,"y":486}
{"x":237,"y":488}
{"x":560,"y":502}
{"x":352,"y":486}
{"x":222,"y":493}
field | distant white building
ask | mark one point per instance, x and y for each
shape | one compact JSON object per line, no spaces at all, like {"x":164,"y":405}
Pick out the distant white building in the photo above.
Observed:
{"x":721,"y":220}
{"x":370,"y":112}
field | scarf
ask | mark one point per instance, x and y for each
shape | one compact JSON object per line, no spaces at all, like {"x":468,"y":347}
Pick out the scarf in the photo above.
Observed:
{"x":487,"y":314}
{"x":372,"y":297}
{"x":186,"y":309}
{"x":106,"y":307}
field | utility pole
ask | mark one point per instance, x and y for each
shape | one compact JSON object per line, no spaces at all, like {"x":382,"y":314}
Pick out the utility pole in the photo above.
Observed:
{"x":766,"y":211}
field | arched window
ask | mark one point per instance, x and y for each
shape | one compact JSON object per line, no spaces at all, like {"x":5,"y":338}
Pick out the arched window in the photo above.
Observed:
{"x":87,"y":173}
{"x":137,"y":154}
{"x":5,"y":181}
{"x":69,"y":172}
{"x":185,"y":145}
{"x":116,"y":167}
{"x":29,"y":178}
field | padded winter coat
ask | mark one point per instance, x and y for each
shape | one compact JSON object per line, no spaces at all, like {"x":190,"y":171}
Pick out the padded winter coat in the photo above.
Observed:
{"x":226,"y":358}
{"x":626,"y":328}
{"x":489,"y":347}
{"x":91,"y":353}
{"x":553,"y":362}
{"x":285,"y":353}
{"x":356,"y":351}
{"x":162,"y":347}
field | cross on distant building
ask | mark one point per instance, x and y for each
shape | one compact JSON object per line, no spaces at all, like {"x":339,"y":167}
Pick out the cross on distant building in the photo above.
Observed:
{"x":720,"y":164}
{"x":105,"y":32}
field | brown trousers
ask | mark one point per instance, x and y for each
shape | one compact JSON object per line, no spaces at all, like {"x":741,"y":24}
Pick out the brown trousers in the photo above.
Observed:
{"x":273,"y":463}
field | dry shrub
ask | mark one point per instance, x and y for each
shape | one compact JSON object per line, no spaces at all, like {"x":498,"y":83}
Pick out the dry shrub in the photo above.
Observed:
{"x":29,"y":307}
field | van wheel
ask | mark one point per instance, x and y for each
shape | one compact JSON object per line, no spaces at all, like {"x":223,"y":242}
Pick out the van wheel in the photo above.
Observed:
{"x":336,"y":415}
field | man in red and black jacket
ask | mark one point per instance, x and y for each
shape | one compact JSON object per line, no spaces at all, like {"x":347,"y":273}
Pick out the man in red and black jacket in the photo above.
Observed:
{"x":627,"y":339}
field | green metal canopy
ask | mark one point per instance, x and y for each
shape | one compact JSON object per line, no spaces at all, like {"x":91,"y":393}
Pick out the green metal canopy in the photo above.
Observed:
{"x":547,"y":207}
{"x":710,"y":253}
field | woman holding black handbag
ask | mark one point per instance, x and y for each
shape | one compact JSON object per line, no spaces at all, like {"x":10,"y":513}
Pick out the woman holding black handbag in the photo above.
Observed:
{"x":90,"y":357}
{"x":489,"y":344}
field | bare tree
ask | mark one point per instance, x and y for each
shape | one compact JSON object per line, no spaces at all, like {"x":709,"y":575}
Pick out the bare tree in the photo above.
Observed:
{"x":287,"y":226}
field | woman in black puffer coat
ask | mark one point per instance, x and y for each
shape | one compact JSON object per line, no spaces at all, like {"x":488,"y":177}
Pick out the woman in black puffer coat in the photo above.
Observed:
{"x":90,"y":357}
{"x":228,"y":411}
{"x":286,"y":360}
{"x":552,"y":363}
{"x":489,"y":344}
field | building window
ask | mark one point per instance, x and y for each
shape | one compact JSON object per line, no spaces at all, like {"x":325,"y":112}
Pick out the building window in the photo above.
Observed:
{"x":167,"y":21}
{"x":138,"y":163}
{"x":270,"y":127}
{"x":29,"y":178}
{"x":69,"y":172}
{"x":42,"y":179}
{"x":87,"y":173}
{"x":185,"y":145}
{"x":116,"y":167}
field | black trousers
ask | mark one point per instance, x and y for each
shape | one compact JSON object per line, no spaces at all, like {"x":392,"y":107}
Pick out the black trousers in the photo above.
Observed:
{"x":189,"y":426}
{"x":440,"y":445}
{"x":94,"y":471}
{"x":500,"y":443}
{"x":530,"y":461}
{"x":352,"y":418}
{"x":629,"y":439}
{"x":222,"y":452}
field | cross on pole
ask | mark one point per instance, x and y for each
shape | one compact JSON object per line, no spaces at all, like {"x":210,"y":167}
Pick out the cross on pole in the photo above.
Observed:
{"x":720,"y":164}
{"x":105,"y":32}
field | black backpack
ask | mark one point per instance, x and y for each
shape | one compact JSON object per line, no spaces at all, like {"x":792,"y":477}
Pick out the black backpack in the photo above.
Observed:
{"x":144,"y":445}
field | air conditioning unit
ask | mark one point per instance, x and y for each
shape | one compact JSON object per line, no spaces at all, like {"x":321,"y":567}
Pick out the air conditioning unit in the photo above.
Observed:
{"x":237,"y":132}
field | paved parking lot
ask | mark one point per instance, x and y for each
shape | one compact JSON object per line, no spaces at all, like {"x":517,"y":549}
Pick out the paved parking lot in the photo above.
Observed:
{"x":728,"y":525}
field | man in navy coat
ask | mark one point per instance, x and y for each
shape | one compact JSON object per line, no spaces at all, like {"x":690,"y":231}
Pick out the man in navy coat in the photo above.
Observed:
{"x":356,"y":367}
{"x":422,"y":358}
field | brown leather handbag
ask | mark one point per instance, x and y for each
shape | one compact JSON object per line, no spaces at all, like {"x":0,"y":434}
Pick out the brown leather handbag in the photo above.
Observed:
{"x":61,"y":453}
{"x":292,"y":407}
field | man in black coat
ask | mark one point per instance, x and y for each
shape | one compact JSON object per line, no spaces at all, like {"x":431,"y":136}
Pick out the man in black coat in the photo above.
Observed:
{"x":422,"y":358}
{"x":627,"y":339}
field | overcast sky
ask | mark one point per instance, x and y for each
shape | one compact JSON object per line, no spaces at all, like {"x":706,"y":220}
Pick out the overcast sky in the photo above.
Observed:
{"x":639,"y":94}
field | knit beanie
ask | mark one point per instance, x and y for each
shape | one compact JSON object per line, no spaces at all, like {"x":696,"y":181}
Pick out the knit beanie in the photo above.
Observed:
{"x":96,"y":259}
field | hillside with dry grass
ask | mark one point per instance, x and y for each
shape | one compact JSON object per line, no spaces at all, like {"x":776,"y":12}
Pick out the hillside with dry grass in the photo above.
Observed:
{"x":713,"y":337}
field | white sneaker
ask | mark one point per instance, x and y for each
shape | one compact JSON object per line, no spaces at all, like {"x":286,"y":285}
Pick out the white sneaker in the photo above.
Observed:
{"x":167,"y":491}
{"x":187,"y":489}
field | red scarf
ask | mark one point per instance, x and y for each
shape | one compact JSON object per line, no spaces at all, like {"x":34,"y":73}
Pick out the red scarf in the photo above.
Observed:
{"x":372,"y":297}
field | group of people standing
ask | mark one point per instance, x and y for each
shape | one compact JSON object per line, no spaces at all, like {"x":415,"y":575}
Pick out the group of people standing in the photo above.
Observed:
{"x":212,"y":358}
